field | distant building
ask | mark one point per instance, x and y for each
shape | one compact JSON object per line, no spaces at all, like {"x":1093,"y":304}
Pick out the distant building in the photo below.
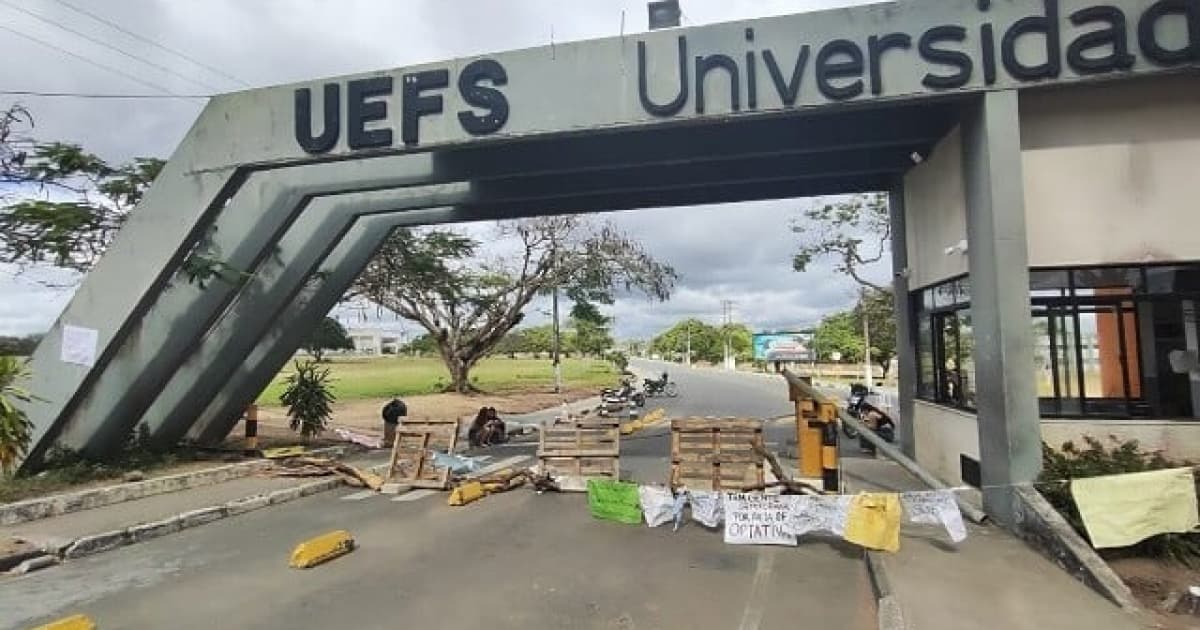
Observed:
{"x":374,"y":341}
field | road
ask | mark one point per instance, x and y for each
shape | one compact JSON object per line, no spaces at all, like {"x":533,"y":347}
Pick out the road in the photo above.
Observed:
{"x":518,"y":560}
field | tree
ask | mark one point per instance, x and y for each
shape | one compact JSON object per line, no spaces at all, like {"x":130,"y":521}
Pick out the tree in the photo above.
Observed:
{"x":468,"y":302}
{"x":16,"y":430}
{"x":591,"y":335}
{"x":839,"y":333}
{"x":62,"y":206}
{"x":854,"y":231}
{"x":19,"y":346}
{"x":308,"y":399}
{"x":421,"y":346}
{"x":707,"y":342}
{"x":328,"y":335}
{"x":741,"y":340}
{"x":879,"y":310}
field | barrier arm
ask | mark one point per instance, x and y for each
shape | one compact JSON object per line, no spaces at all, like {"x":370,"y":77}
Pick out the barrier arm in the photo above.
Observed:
{"x":883,"y":446}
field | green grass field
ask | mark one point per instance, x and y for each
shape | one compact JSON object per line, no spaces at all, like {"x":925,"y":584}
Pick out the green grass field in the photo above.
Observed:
{"x":368,"y":378}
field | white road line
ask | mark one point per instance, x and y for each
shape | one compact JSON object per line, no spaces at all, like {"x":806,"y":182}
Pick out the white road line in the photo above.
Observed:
{"x":414,"y":495}
{"x":359,"y":496}
{"x":756,"y":603}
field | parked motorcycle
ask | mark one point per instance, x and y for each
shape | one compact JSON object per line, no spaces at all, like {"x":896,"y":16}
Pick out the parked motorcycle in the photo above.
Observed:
{"x":861,"y":409}
{"x":625,"y":397}
{"x":660,"y":387}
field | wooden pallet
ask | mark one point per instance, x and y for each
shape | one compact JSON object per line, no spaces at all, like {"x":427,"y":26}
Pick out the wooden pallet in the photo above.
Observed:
{"x":412,"y":453}
{"x":574,"y":453}
{"x":716,"y":453}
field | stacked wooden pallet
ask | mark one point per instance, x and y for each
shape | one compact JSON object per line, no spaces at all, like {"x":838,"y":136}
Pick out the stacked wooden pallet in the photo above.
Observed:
{"x":412,"y":453}
{"x":716,"y":453}
{"x":574,"y":453}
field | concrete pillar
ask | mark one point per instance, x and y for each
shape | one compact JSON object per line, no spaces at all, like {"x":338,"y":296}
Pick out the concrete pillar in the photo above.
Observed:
{"x":1006,"y":395}
{"x":906,"y":346}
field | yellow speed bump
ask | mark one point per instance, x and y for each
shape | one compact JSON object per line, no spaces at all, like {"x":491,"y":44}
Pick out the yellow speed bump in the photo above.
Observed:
{"x":466,"y":493}
{"x":323,"y":548}
{"x":629,"y":428}
{"x":74,"y":622}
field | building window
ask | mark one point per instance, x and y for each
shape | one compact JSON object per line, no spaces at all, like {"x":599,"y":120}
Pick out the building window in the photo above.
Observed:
{"x":1109,"y":342}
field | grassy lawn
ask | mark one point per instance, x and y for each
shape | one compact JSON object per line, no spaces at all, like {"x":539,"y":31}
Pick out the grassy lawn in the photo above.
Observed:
{"x":368,"y":378}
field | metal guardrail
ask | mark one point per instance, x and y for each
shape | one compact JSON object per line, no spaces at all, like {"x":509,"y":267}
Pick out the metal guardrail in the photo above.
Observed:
{"x":885,"y":447}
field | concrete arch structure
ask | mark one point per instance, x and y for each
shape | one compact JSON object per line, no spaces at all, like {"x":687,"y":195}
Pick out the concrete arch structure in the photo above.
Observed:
{"x":297,"y":185}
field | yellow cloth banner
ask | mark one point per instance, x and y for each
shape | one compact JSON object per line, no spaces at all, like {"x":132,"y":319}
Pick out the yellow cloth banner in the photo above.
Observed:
{"x":874,"y":521}
{"x":1121,"y":510}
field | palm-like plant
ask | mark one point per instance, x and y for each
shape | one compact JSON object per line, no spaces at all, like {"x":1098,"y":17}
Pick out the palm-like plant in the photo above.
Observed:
{"x":308,"y":399}
{"x":15,"y":428}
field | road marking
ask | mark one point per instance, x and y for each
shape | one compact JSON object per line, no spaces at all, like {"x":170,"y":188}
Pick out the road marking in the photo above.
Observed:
{"x":756,"y":603}
{"x":414,"y":495}
{"x":359,"y":496}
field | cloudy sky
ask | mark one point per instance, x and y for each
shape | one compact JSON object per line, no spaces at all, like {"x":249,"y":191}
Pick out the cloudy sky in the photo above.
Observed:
{"x":739,"y":252}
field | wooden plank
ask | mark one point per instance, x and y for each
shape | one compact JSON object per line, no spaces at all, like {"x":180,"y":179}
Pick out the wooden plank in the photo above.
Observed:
{"x":587,"y":449}
{"x":707,"y":424}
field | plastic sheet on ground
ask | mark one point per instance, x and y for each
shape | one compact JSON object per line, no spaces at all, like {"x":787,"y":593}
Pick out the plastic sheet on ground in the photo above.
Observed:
{"x":458,"y":464}
{"x":1121,"y":510}
{"x":707,"y":508}
{"x":659,"y":506}
{"x":368,"y":441}
{"x":614,"y":501}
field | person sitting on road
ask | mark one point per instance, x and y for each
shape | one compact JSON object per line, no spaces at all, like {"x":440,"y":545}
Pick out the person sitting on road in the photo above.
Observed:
{"x":476,"y":431}
{"x":497,"y":430}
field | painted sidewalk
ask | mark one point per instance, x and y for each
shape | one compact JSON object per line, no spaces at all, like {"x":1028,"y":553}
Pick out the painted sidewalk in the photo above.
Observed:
{"x":991,"y":580}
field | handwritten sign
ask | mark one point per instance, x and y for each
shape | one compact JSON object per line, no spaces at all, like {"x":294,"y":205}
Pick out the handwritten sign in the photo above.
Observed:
{"x":79,"y":345}
{"x":758,"y":519}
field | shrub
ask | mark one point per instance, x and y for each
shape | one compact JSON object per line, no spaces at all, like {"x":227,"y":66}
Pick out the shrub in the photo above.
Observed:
{"x":308,"y":399}
{"x":619,"y":359}
{"x":1072,"y":462}
{"x":16,"y":430}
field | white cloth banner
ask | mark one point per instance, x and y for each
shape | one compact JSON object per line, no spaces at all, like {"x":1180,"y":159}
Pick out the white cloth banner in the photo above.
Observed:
{"x":79,"y":345}
{"x":936,"y":507}
{"x":660,"y":506}
{"x":819,"y":514}
{"x":707,"y":508}
{"x":758,"y":519}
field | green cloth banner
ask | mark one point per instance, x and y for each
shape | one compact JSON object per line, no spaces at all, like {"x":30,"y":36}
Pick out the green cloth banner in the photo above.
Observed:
{"x":614,"y":501}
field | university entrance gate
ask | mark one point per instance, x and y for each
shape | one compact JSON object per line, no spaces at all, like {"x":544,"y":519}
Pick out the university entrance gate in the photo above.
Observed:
{"x":296,"y":186}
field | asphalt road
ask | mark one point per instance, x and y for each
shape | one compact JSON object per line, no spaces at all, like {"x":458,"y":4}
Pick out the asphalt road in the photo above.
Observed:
{"x":518,"y":560}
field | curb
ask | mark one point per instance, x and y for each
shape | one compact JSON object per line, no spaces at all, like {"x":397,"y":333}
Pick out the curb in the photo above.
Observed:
{"x":107,"y":541}
{"x":66,"y":503}
{"x":888,"y":616}
{"x":1044,"y":529}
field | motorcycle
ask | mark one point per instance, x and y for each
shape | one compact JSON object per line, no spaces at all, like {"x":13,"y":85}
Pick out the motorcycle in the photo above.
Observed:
{"x":660,"y":387}
{"x":858,"y":407}
{"x":615,"y":400}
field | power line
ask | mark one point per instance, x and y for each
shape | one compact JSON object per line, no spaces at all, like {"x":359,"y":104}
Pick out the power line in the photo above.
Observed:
{"x":88,"y":61}
{"x":100,"y":42}
{"x":102,"y":96}
{"x":151,"y":42}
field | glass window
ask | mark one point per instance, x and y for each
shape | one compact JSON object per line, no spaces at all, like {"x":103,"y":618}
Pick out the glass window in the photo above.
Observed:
{"x":1056,"y":283}
{"x":966,"y":358}
{"x":925,"y":372}
{"x":1108,"y":281}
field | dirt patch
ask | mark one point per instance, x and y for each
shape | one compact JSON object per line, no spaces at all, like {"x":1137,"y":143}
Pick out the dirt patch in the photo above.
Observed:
{"x":1153,"y":581}
{"x":363,"y":415}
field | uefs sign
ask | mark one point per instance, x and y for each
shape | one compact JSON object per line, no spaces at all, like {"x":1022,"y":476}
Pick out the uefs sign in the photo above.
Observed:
{"x":842,"y":69}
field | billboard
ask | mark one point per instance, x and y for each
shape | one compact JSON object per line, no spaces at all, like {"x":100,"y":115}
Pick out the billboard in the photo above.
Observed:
{"x":793,"y":346}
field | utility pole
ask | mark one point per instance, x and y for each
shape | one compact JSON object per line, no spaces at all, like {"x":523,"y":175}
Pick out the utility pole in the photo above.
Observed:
{"x":557,"y":360}
{"x":870,"y":373}
{"x":726,"y":322}
{"x":687,"y":357}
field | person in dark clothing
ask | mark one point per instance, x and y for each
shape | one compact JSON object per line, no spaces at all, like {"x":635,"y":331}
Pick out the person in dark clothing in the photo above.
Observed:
{"x":392,"y":412}
{"x":475,"y":432}
{"x":498,"y":432}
